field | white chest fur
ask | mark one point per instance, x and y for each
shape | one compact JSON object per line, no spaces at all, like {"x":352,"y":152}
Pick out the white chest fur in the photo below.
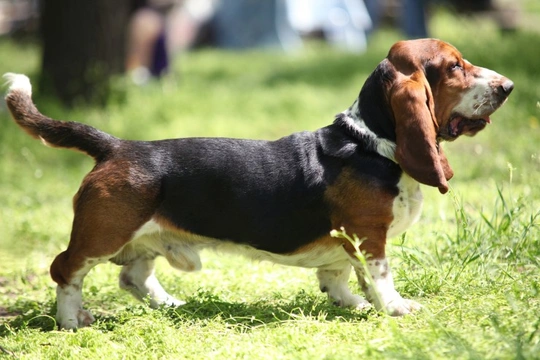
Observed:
{"x":407,"y":205}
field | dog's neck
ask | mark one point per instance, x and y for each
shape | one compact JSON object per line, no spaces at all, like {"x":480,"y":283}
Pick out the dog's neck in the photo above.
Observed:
{"x":351,"y":119}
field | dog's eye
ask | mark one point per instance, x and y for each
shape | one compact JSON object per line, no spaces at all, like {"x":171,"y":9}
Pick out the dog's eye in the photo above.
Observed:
{"x":456,"y":66}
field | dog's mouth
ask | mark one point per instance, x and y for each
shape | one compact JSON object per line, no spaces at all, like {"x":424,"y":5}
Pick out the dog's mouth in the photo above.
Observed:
{"x":461,"y":125}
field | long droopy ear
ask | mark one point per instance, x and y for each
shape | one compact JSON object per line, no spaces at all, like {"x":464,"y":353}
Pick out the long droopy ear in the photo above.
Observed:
{"x":417,"y":151}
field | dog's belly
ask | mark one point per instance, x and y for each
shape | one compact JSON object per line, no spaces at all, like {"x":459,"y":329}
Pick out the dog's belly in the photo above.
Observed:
{"x":181,"y":249}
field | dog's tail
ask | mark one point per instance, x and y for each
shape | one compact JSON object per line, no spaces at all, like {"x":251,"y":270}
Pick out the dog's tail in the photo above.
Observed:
{"x":64,"y":134}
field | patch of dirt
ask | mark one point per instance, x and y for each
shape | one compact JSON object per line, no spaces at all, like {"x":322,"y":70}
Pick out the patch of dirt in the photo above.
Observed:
{"x":6,"y":313}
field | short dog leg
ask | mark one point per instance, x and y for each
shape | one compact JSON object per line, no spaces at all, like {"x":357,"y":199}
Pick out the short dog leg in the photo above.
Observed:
{"x":70,"y":313}
{"x":140,"y":280}
{"x":334,"y":283}
{"x":380,"y":289}
{"x":109,"y":208}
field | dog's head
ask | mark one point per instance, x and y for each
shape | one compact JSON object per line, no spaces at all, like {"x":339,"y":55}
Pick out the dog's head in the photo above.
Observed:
{"x":425,"y":92}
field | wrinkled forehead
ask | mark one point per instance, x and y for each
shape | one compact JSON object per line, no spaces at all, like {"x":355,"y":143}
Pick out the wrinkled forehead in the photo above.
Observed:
{"x":413,"y":53}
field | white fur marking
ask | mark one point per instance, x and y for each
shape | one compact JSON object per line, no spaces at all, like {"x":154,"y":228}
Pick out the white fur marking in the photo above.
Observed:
{"x":148,"y":228}
{"x":385,"y":147}
{"x":481,"y":97}
{"x":383,"y":282}
{"x":407,"y":206}
{"x":18,"y":82}
{"x":69,"y":311}
{"x":380,"y":289}
{"x":335,"y":284}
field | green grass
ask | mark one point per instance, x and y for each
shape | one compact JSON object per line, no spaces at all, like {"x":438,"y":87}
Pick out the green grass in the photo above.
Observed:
{"x":473,"y":260}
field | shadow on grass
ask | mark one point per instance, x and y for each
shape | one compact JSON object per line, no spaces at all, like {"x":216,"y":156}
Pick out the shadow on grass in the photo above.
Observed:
{"x":207,"y":306}
{"x":201,"y":309}
{"x":27,"y":314}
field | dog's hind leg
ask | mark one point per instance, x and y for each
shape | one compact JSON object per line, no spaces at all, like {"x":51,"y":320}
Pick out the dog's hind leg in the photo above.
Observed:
{"x":70,"y":313}
{"x":107,"y":214}
{"x":71,"y":266}
{"x":139,"y":279}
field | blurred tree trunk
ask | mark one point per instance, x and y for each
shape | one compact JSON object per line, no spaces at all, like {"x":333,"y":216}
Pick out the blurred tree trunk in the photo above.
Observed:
{"x":84,"y":44}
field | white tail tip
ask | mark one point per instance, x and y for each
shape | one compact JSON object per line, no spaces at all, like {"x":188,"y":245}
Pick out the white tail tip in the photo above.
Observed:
{"x":18,"y":82}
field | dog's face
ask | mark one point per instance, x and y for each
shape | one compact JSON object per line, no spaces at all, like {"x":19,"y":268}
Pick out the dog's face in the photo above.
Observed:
{"x":486,"y":91}
{"x":436,"y":95}
{"x":463,"y":95}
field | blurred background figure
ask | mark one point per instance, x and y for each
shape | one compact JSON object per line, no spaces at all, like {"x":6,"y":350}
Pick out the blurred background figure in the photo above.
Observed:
{"x":19,"y":17}
{"x":343,"y":23}
{"x":413,"y":18}
{"x":158,"y":29}
{"x":243,"y":24}
{"x":281,"y":24}
{"x":146,"y":53}
{"x":408,"y":15}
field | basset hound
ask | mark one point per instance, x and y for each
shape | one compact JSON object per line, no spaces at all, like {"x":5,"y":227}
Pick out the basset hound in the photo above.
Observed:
{"x":272,"y":200}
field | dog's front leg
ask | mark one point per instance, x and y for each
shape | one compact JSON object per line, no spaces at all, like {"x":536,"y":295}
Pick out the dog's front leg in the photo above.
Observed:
{"x":375,"y":278}
{"x":372,"y":269}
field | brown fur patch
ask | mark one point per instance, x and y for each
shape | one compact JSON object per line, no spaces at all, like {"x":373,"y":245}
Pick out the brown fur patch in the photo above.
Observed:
{"x":363,"y":208}
{"x":170,"y":226}
{"x":323,"y":243}
{"x":109,"y":207}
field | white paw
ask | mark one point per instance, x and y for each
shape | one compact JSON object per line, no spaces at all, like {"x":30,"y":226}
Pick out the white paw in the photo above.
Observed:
{"x":165,"y":300}
{"x":82,"y":318}
{"x":67,"y":324}
{"x":363,"y":305}
{"x":400,"y":307}
{"x":173,"y":302}
{"x":352,"y":301}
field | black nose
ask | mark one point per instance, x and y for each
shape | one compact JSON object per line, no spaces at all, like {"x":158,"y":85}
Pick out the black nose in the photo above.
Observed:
{"x":506,"y":87}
